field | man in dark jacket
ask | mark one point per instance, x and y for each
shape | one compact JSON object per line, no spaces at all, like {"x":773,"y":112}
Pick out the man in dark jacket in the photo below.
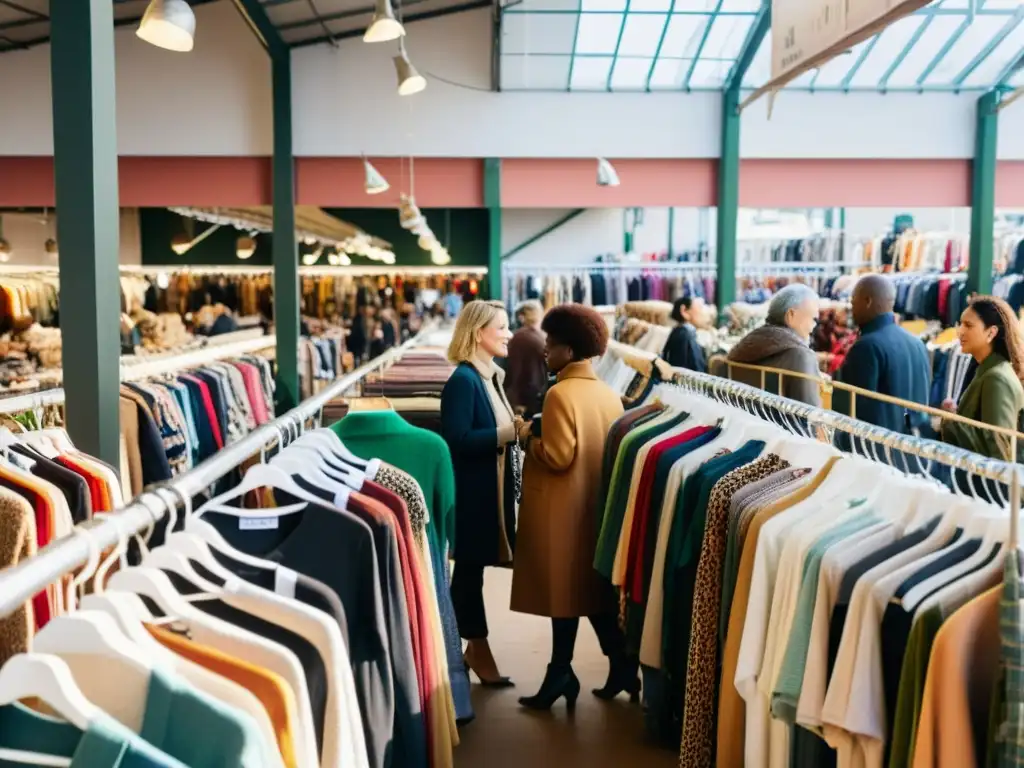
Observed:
{"x":886,"y":359}
{"x":682,"y":350}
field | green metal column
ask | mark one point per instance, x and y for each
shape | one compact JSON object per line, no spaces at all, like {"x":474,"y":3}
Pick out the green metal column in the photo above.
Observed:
{"x":728,"y":200}
{"x":85,"y":178}
{"x":285,"y":247}
{"x":983,"y":194}
{"x":492,"y":200}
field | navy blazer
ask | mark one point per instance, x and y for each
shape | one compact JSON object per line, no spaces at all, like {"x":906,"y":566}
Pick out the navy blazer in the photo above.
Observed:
{"x":469,"y":428}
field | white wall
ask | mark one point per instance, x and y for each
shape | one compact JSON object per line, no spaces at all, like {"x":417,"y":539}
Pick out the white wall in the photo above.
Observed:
{"x":217,"y":101}
{"x":598,"y":231}
{"x":212,"y":101}
{"x":27,"y":233}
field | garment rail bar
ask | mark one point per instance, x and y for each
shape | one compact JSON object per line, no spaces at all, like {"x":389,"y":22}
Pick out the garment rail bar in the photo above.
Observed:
{"x":20,"y":583}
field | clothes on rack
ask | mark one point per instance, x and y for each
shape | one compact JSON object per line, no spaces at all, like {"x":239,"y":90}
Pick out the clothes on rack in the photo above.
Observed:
{"x":321,"y":360}
{"x":169,"y":425}
{"x":808,"y":608}
{"x":933,"y":296}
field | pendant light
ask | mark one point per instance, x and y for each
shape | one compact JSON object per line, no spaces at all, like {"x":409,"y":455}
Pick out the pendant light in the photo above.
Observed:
{"x":375,"y":184}
{"x":5,"y":251}
{"x":409,"y":80}
{"x":181,"y":243}
{"x":334,"y":259}
{"x":606,"y":175}
{"x":384,"y":26}
{"x":50,"y":246}
{"x":245,"y":247}
{"x":168,"y":24}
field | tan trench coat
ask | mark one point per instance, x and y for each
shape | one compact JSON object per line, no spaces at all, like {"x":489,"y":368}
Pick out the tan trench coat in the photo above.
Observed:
{"x":557,"y":535}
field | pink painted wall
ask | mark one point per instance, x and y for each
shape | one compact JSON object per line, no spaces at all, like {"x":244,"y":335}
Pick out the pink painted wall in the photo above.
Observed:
{"x":542,"y":183}
{"x":529,"y":183}
{"x":337,"y":182}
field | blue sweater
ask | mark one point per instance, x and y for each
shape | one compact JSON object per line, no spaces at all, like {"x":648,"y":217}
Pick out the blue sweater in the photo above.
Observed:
{"x":888,"y":360}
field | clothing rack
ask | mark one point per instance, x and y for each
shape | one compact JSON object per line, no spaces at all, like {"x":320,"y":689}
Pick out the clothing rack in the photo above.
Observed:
{"x":20,"y":583}
{"x":758,"y":401}
{"x":146,"y":368}
{"x":314,"y":271}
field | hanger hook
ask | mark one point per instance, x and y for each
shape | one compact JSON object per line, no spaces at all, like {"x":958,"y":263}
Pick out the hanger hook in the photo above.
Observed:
{"x":186,"y":503}
{"x":118,"y":554}
{"x":87,"y":571}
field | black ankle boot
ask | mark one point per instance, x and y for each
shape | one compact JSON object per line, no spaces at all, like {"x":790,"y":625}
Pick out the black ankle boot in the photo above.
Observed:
{"x":559,"y":681}
{"x":622,"y":676}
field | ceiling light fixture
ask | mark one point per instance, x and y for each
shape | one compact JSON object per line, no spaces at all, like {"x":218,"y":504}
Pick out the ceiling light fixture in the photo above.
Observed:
{"x":5,"y":251}
{"x":606,"y":175}
{"x":384,"y":26}
{"x":168,"y":24}
{"x":409,"y":80}
{"x":245,"y":247}
{"x":50,"y":247}
{"x":181,"y":243}
{"x":333,"y":259}
{"x":375,"y":184}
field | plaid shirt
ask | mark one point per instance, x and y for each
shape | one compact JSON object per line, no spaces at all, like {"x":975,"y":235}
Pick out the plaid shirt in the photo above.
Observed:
{"x":1010,"y":739}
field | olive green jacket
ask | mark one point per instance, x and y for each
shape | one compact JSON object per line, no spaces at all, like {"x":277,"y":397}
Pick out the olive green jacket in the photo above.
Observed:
{"x":996,"y":397}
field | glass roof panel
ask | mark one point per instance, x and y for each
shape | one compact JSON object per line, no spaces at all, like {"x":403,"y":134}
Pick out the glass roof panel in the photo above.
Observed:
{"x":1001,"y":57}
{"x":631,"y":74}
{"x":590,"y":73}
{"x":683,"y":36}
{"x":941,"y":47}
{"x":725,"y":40}
{"x":971,"y":42}
{"x":886,"y":50}
{"x":668,"y":74}
{"x":641,"y":34}
{"x":937,"y":35}
{"x":598,"y":33}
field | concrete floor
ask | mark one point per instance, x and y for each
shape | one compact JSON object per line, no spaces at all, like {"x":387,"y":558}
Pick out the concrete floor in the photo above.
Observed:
{"x":599,"y":734}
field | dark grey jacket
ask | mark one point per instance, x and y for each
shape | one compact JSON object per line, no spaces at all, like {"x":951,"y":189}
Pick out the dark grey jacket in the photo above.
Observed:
{"x":775,"y":346}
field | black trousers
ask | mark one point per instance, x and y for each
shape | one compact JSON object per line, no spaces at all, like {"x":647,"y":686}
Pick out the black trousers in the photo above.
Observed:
{"x":468,"y":600}
{"x":563,"y":638}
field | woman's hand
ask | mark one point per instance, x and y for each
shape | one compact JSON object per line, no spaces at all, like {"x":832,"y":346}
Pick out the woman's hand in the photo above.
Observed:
{"x":524,"y":430}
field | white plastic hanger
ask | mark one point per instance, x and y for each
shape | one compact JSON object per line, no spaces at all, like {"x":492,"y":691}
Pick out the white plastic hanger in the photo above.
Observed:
{"x":327,"y":439}
{"x":47,"y":678}
{"x":259,"y":476}
{"x":129,"y":612}
{"x":189,"y":545}
{"x":308,"y":467}
{"x":154,"y":584}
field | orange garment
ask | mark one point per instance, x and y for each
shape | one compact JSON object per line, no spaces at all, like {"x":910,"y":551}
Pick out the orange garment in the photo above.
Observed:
{"x":99,"y":494}
{"x":44,"y":604}
{"x":962,"y":671}
{"x":271,"y":690}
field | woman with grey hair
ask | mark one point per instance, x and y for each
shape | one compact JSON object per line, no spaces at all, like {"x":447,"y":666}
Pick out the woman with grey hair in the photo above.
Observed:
{"x":783,"y":342}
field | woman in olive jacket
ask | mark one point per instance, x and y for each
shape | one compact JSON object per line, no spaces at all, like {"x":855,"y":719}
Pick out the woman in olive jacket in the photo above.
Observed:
{"x":991,"y":334}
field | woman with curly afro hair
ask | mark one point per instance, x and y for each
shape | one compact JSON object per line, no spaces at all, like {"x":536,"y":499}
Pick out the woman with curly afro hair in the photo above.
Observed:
{"x":556,"y":540}
{"x":991,"y":334}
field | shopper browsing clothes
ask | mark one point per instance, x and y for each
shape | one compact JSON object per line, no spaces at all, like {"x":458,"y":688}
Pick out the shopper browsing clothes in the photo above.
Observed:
{"x":682,"y":350}
{"x":554,"y":567}
{"x":784,"y":342}
{"x":527,"y":377}
{"x":480,"y":428}
{"x":885,"y":359}
{"x":991,"y":334}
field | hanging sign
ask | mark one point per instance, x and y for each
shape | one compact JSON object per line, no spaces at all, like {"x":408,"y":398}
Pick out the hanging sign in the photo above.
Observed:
{"x":808,"y":33}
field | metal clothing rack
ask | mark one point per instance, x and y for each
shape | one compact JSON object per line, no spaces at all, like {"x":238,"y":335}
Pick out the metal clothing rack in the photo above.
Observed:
{"x":29,"y":577}
{"x":146,"y":367}
{"x":759,"y":403}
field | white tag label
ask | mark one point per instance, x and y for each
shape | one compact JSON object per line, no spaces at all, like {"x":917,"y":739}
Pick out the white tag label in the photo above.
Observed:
{"x":257,"y":523}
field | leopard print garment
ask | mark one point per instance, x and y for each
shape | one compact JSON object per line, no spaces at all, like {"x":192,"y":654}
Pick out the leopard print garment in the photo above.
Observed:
{"x":702,"y":664}
{"x":405,"y":486}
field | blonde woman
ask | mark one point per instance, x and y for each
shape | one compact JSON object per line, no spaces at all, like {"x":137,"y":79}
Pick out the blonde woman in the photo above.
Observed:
{"x":480,"y":428}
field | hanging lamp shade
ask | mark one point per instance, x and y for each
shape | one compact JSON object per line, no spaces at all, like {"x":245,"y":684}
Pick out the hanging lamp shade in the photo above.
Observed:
{"x":245,"y":247}
{"x":375,"y":184}
{"x":409,"y":80}
{"x":5,"y":251}
{"x":50,"y":246}
{"x":181,"y":243}
{"x":384,"y":26}
{"x":606,"y":175}
{"x":168,"y":24}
